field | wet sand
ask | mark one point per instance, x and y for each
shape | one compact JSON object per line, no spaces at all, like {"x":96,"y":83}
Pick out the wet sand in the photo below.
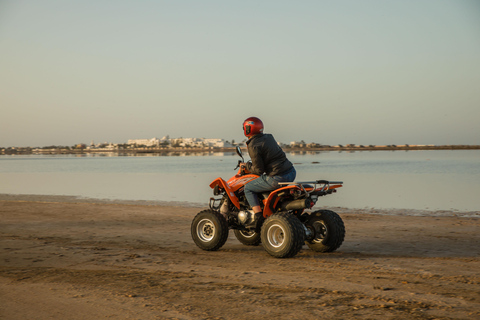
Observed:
{"x":65,"y":258}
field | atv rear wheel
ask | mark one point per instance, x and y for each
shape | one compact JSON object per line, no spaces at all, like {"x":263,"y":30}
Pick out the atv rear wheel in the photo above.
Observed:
{"x":209,"y":230}
{"x":248,"y":238}
{"x":328,"y":231}
{"x":282,"y":235}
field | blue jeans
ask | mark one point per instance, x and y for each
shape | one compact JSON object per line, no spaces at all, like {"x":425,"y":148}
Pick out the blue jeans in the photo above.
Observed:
{"x":266,"y":183}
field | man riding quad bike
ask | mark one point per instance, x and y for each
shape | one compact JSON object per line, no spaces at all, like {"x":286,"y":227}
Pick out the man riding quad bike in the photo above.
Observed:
{"x":268,"y":209}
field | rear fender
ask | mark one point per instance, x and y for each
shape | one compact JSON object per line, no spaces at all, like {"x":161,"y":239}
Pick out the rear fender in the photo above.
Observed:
{"x":273,"y":199}
{"x":224,"y":185}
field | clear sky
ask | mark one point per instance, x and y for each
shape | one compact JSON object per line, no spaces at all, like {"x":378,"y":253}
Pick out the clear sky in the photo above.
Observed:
{"x":332,"y":72}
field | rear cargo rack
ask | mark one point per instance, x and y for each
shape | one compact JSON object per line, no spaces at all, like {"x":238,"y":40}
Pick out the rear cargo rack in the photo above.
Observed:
{"x":302,"y":183}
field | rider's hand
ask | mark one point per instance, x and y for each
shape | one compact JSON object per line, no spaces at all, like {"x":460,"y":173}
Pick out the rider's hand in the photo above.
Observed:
{"x":243,"y":167}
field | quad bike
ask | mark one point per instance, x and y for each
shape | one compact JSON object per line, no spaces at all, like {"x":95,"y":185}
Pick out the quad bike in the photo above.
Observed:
{"x":287,"y":226}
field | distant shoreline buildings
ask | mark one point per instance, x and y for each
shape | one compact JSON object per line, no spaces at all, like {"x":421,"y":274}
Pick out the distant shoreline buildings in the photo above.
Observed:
{"x":167,"y":144}
{"x":181,"y":142}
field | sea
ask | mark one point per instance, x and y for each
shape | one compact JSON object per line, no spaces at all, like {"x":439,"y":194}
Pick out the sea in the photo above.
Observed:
{"x":430,"y":180}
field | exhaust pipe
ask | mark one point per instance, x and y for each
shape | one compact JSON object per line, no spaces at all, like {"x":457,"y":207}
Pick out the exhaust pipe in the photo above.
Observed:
{"x":297,"y":204}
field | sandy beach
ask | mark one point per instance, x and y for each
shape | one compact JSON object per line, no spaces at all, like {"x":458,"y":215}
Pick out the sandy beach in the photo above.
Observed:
{"x":62,"y":258}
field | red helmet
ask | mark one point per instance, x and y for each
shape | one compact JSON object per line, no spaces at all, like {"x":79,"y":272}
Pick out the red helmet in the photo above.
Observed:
{"x":252,"y":126}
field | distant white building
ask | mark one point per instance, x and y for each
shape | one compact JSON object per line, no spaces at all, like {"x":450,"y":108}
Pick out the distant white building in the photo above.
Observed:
{"x":217,"y":143}
{"x":188,"y":142}
{"x":200,"y":143}
{"x":144,"y":142}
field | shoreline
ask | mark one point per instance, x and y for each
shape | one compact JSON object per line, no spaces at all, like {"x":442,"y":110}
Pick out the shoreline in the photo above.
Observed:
{"x":183,"y":150}
{"x":185,"y":204}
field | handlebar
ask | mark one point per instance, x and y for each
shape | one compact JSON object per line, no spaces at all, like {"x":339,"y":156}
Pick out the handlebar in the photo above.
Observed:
{"x":243,"y":169}
{"x":238,"y":164}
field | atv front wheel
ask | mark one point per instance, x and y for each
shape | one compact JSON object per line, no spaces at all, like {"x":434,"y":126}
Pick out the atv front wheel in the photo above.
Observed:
{"x":248,"y":238}
{"x":327,"y":229}
{"x":282,"y":235}
{"x":209,"y":230}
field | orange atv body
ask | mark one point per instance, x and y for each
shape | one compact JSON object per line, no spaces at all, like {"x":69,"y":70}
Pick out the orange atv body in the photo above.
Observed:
{"x":236,"y":184}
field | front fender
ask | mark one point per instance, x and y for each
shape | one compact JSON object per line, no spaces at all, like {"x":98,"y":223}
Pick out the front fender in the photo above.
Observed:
{"x":223,"y":184}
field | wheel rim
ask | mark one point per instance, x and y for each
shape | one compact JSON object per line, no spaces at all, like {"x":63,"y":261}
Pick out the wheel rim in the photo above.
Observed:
{"x":205,"y":230}
{"x":276,"y":236}
{"x":321,"y":231}
{"x":247,"y":234}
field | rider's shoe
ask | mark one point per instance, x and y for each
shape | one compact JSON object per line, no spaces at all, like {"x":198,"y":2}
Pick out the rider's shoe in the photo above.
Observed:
{"x":259,"y":219}
{"x":257,"y":222}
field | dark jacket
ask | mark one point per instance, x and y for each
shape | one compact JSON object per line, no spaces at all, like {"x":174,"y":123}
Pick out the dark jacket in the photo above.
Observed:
{"x":267,"y":156}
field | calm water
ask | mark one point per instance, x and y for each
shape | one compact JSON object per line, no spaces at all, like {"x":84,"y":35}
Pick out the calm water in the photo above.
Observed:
{"x":427,"y":180}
